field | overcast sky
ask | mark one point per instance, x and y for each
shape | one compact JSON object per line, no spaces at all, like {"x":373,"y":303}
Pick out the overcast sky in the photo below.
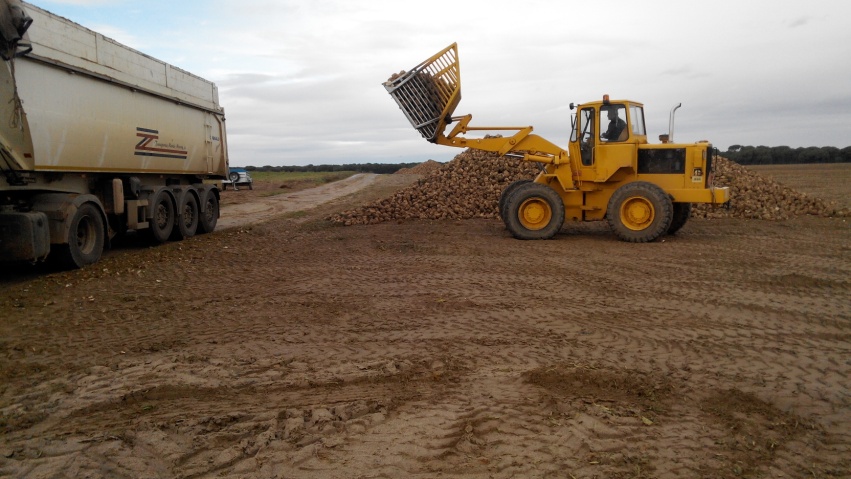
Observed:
{"x":300,"y":80}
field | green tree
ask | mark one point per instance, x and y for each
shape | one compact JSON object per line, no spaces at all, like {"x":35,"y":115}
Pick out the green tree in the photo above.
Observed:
{"x":833,"y":153}
{"x":813,"y":154}
{"x":783,"y":155}
{"x":745,"y":155}
{"x":762,"y":156}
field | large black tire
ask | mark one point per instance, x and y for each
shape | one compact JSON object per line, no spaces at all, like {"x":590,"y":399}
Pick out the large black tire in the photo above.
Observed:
{"x":187,"y":217}
{"x":503,"y":197}
{"x":209,"y":212}
{"x":639,"y":212}
{"x":162,"y":217}
{"x":682,"y":212}
{"x":534,"y":211}
{"x":86,"y":238}
{"x":234,"y":177}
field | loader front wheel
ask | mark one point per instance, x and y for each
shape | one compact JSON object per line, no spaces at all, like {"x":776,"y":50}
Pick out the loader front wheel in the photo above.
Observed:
{"x":503,"y":197}
{"x":639,"y":212}
{"x":534,"y":211}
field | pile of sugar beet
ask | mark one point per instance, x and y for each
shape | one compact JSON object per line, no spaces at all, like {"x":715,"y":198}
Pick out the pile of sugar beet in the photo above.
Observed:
{"x":469,"y":187}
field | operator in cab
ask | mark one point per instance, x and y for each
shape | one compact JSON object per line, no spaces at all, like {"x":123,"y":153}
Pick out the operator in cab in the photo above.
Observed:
{"x":616,"y":124}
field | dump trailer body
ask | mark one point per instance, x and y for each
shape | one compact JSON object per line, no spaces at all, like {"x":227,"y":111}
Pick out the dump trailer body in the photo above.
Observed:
{"x":91,"y":104}
{"x":92,"y":118}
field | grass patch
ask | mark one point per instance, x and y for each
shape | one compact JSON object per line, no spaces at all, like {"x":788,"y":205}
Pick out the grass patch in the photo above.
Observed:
{"x":313,"y":178}
{"x":281,"y":182}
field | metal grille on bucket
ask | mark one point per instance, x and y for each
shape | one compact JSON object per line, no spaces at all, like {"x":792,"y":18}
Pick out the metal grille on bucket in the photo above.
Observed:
{"x":429,"y":93}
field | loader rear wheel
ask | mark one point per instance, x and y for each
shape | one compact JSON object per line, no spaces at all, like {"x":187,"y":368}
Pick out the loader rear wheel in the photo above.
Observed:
{"x":503,"y":197}
{"x":639,"y":212}
{"x":534,"y":211}
{"x":85,"y":238}
{"x":162,"y":217}
{"x":682,"y":212}
{"x":209,"y":212}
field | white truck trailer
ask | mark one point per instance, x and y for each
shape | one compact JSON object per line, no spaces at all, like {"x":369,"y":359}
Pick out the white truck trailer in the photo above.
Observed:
{"x":98,"y":139}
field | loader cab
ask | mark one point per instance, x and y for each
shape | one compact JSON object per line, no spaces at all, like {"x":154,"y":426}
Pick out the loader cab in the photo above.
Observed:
{"x":607,"y":131}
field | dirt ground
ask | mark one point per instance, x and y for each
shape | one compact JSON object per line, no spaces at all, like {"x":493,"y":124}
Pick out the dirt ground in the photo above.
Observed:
{"x":297,"y":349}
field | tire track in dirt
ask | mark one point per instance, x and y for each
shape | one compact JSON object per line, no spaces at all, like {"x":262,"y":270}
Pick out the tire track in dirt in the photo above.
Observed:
{"x":323,"y":350}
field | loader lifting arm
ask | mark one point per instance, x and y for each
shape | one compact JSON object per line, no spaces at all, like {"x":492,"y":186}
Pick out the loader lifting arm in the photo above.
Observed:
{"x":533,"y":147}
{"x":428,"y":95}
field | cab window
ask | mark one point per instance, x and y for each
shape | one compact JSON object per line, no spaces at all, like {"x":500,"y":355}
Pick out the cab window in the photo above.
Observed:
{"x":586,"y":135}
{"x":636,"y":116}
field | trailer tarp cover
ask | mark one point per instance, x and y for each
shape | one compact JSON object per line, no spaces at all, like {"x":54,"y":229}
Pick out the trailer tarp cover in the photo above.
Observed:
{"x":14,"y":23}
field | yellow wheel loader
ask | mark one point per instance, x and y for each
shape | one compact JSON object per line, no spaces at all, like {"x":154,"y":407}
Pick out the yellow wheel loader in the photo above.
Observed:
{"x":608,"y":172}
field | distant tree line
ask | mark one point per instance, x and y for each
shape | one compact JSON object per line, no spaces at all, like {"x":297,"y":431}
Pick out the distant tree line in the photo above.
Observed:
{"x":743,"y":155}
{"x":784,"y":155}
{"x":379,"y":168}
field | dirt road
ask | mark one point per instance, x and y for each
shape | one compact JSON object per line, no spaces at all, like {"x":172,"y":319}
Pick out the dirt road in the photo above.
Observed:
{"x":257,"y":207}
{"x":298,"y":349}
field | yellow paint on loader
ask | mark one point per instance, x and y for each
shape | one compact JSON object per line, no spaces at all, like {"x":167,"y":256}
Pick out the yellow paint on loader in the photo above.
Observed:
{"x":608,"y":171}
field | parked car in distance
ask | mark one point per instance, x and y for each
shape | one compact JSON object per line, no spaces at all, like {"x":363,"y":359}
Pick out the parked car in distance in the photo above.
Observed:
{"x":237,"y":177}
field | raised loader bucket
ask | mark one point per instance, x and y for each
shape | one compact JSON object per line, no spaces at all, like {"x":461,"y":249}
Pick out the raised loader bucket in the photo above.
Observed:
{"x":429,"y":92}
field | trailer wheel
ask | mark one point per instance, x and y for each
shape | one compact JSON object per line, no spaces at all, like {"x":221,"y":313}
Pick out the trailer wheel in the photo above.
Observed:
{"x":534,"y":211}
{"x":682,"y":212}
{"x":503,"y":197}
{"x":187,"y":217}
{"x":639,"y":212}
{"x":163,"y":217}
{"x":85,"y":238}
{"x":210,"y":212}
{"x":234,"y":177}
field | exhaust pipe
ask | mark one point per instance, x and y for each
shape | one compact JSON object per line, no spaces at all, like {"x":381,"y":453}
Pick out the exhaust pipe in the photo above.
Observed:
{"x":671,"y":123}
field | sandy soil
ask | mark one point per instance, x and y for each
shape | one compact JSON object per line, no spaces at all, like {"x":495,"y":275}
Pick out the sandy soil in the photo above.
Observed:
{"x":267,"y":200}
{"x":297,"y":349}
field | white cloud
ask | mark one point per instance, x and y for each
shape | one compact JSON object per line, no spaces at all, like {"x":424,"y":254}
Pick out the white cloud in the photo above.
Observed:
{"x":301,"y":81}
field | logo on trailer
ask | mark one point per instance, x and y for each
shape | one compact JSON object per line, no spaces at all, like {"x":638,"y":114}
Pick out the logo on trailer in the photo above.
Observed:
{"x":150,"y":146}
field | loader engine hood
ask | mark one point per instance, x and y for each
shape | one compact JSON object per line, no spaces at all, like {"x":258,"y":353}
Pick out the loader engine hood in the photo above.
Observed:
{"x":14,"y":23}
